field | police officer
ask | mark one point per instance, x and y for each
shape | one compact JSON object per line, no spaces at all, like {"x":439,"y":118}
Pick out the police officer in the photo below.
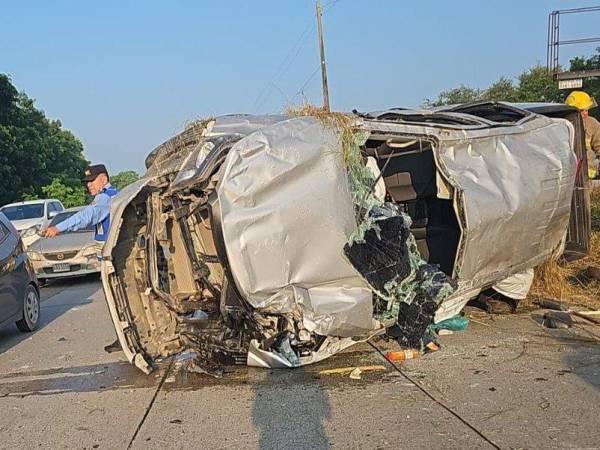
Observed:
{"x":97,"y":213}
{"x":583,"y":102}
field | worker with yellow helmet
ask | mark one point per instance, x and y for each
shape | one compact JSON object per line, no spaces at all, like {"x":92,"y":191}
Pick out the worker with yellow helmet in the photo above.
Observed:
{"x":583,"y":102}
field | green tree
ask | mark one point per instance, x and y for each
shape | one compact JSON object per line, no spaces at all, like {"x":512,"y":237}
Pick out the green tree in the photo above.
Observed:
{"x":537,"y":85}
{"x":533,"y":85}
{"x":124,"y":178}
{"x":69,"y":196}
{"x":461,"y":94}
{"x":502,"y":90}
{"x":33,"y":150}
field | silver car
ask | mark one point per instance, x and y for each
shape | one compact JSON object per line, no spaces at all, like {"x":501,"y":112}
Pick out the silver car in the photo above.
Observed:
{"x":69,"y":254}
{"x":277,"y":241}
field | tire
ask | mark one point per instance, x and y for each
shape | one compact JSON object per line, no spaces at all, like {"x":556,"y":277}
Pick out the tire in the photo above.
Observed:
{"x":31,"y":311}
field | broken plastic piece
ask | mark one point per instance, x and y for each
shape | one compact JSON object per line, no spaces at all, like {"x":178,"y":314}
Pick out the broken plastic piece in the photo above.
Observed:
{"x":198,"y":314}
{"x":356,"y":374}
{"x":456,"y":323}
{"x":431,"y":347}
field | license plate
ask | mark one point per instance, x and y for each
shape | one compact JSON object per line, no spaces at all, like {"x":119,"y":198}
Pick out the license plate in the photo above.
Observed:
{"x":64,"y":267}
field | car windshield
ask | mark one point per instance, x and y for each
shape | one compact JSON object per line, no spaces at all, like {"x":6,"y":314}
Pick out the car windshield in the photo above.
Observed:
{"x":64,"y":216}
{"x":24,"y":212}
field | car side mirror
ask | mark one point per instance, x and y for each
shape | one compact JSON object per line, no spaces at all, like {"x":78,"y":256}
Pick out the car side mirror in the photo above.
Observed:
{"x":52,"y":214}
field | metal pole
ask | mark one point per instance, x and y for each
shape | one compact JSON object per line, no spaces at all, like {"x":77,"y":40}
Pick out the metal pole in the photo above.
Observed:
{"x":556,"y":58}
{"x":322,"y":57}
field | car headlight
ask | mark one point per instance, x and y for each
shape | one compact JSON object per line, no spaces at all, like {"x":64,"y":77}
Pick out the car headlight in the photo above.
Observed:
{"x":90,"y":250}
{"x":30,"y":231}
{"x":34,"y":256}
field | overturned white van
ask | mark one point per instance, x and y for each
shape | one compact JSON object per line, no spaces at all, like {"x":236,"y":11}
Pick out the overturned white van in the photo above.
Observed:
{"x":277,"y":241}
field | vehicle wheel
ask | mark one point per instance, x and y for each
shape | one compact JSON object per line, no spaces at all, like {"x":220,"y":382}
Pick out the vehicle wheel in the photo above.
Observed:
{"x":31,"y":311}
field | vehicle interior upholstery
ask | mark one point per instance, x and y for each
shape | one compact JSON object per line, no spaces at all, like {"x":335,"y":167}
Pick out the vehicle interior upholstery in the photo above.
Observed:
{"x":409,"y":172}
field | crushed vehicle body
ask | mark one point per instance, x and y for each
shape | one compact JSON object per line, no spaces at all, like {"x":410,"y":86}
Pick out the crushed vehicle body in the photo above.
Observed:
{"x":278,"y":241}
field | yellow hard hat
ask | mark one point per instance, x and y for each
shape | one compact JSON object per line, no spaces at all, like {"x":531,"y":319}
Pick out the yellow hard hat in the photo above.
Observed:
{"x":580,"y":100}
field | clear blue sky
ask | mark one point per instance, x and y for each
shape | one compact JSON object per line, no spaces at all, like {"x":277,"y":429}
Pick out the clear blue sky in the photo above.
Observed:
{"x":124,"y":76}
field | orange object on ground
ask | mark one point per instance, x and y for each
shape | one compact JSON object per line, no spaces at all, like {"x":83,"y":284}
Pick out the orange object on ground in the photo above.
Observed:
{"x":402,"y":355}
{"x":432,"y":347}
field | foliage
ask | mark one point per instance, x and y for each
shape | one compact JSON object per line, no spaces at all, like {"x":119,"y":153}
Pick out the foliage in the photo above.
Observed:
{"x":69,"y":196}
{"x":124,"y":178}
{"x":461,"y":94}
{"x":34,"y":151}
{"x":537,"y":85}
{"x":502,"y":90}
{"x":533,"y":85}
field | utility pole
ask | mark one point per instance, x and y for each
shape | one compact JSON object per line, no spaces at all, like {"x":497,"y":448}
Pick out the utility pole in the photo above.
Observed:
{"x":322,"y":58}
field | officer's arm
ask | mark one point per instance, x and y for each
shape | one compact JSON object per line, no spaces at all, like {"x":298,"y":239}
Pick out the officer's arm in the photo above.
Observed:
{"x":90,"y":215}
{"x":77,"y":221}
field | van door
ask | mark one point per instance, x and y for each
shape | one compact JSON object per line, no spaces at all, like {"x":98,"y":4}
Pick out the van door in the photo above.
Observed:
{"x":580,"y":222}
{"x":514,"y":188}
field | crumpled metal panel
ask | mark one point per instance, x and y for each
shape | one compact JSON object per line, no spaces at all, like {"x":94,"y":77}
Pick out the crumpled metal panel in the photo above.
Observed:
{"x":515,"y":194}
{"x":219,"y":131}
{"x":286,"y":214}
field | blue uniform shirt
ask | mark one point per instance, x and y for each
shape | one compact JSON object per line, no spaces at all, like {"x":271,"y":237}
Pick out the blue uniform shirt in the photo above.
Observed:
{"x":96,"y":213}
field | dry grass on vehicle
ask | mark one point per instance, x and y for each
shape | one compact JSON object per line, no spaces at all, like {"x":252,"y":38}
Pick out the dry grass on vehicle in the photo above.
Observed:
{"x":342,"y":123}
{"x":570,"y":282}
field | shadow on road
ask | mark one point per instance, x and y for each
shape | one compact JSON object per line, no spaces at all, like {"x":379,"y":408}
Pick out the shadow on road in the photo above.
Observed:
{"x":289,"y":413}
{"x":580,"y":348}
{"x":584,"y":359}
{"x":53,"y":305}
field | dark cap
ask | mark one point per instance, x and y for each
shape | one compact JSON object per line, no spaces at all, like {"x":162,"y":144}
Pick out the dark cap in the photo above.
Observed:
{"x":91,"y":172}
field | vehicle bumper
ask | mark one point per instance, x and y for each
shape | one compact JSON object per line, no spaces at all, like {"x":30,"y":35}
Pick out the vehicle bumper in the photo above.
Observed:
{"x":77,"y":267}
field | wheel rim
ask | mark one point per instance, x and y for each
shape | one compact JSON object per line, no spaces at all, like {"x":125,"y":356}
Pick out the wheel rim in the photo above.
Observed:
{"x":32,"y":307}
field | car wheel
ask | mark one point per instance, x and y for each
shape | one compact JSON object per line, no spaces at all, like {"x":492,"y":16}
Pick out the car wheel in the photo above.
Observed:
{"x":31,"y":310}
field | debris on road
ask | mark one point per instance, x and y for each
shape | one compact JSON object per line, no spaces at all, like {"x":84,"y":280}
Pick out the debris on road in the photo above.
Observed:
{"x":557,"y":306}
{"x":356,"y":374}
{"x":456,"y":323}
{"x":402,"y":355}
{"x":348,"y":370}
{"x":557,"y":319}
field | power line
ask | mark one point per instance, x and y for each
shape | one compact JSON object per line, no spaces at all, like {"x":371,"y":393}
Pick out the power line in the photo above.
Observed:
{"x":287,"y":62}
{"x":308,"y":80}
{"x":285,"y":65}
{"x":330,"y":4}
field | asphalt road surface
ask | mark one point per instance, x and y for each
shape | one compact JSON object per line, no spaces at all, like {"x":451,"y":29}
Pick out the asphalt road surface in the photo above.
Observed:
{"x":505,"y":382}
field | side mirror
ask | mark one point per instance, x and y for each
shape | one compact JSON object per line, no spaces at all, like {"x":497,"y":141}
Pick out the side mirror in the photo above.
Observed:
{"x":52,"y":214}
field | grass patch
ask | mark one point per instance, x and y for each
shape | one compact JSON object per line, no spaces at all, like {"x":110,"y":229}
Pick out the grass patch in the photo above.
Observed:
{"x":569,"y":282}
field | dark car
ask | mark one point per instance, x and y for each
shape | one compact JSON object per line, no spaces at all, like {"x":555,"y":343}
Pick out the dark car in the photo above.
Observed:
{"x":19,"y":293}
